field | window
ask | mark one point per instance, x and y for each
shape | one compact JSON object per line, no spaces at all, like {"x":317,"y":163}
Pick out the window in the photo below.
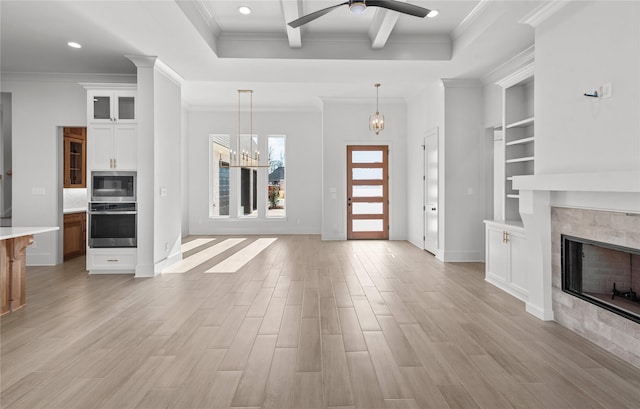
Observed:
{"x":220,"y":176}
{"x":277,"y":186}
{"x":236,"y":180}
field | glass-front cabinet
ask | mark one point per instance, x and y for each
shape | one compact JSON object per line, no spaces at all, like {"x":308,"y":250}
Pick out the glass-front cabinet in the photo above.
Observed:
{"x":112,"y":106}
{"x":75,"y":157}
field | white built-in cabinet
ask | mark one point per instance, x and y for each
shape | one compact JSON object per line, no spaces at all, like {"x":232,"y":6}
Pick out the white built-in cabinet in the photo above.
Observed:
{"x":109,"y":105}
{"x":506,"y":258}
{"x":514,"y":142}
{"x":112,"y":144}
{"x":111,"y":127}
{"x":518,"y":136}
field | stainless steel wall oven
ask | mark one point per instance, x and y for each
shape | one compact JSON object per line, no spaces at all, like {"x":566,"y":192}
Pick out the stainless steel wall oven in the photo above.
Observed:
{"x":113,"y":224}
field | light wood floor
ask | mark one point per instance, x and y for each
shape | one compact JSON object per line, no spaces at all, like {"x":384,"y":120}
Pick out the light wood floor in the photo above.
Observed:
{"x":305,"y":324}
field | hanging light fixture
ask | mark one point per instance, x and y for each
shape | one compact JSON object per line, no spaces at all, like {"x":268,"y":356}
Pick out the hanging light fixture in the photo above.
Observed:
{"x":246,"y":154}
{"x":376,"y":121}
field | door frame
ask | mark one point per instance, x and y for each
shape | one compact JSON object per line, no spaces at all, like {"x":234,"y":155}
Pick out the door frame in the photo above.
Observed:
{"x":384,"y":235}
{"x":430,"y":244}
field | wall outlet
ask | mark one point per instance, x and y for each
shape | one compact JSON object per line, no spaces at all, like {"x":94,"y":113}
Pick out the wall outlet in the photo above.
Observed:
{"x":38,"y":191}
{"x":606,"y":90}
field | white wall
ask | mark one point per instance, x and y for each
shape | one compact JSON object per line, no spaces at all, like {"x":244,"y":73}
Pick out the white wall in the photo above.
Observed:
{"x":582,"y":47}
{"x":492,"y":105}
{"x":168,"y":168}
{"x":184,"y":150}
{"x":463,"y":149}
{"x":303,"y":132}
{"x":40,"y":105}
{"x":345,"y":122}
{"x":425,"y":111}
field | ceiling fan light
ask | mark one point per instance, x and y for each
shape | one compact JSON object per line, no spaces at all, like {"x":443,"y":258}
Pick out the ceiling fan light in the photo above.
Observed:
{"x":432,"y":13}
{"x":357,"y":7}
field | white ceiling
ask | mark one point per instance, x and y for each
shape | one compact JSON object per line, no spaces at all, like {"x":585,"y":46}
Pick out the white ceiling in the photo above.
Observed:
{"x":217,"y":50}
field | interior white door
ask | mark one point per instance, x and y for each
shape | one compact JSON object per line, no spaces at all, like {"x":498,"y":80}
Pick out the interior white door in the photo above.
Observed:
{"x":431,"y":191}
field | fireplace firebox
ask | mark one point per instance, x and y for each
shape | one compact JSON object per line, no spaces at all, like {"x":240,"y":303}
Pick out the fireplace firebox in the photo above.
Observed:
{"x":603,"y":274}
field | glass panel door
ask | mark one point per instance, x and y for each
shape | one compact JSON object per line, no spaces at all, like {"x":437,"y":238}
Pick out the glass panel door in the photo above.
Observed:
{"x":367,"y":192}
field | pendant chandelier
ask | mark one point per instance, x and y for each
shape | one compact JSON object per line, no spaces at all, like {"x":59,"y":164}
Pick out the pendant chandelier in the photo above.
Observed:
{"x":376,"y":121}
{"x":246,"y":154}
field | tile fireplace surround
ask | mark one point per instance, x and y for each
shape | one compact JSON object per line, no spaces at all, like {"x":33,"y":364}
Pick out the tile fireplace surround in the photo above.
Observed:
{"x":612,"y":332}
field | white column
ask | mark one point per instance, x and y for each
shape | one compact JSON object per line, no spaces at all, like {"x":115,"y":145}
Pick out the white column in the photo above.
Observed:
{"x":144,"y":115}
{"x":535,"y":211}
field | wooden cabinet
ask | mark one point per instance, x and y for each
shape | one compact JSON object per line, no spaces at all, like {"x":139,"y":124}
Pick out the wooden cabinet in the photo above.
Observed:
{"x":75,"y":234}
{"x":506,"y":258}
{"x":75,"y":157}
{"x":112,"y":106}
{"x":517,"y":140}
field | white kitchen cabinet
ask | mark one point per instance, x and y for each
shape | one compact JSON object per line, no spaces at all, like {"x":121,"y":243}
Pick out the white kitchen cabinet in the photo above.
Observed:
{"x":111,"y":260}
{"x":506,"y":257}
{"x":112,"y":146}
{"x":112,"y":106}
{"x":112,"y":141}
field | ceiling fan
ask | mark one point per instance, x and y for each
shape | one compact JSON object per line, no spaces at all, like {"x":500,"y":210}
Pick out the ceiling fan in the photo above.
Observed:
{"x":359,"y":6}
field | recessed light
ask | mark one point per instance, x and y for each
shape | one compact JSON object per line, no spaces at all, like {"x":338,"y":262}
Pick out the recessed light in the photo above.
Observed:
{"x":73,"y":44}
{"x":244,"y":10}
{"x":433,"y":13}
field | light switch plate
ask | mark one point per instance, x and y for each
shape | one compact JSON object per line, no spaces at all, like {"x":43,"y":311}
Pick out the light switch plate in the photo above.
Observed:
{"x":37,"y":191}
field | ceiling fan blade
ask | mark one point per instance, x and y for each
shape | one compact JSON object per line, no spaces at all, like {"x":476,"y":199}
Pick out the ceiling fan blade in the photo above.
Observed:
{"x":312,"y":16}
{"x":399,"y":6}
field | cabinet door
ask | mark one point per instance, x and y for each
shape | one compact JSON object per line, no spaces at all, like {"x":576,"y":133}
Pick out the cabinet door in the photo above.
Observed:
{"x":125,"y":147}
{"x":519,"y":276}
{"x":100,"y":147}
{"x":74,"y":243}
{"x":497,"y":255}
{"x":100,"y":105}
{"x":74,"y":163}
{"x":124,"y":106}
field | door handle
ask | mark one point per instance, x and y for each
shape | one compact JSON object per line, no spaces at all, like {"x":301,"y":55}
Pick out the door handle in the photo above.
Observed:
{"x":433,"y":209}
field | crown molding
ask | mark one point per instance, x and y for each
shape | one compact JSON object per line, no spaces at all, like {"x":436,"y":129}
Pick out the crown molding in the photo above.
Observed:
{"x":469,"y":19}
{"x":541,"y":13}
{"x":68,"y":77}
{"x":519,"y":75}
{"x":514,"y":63}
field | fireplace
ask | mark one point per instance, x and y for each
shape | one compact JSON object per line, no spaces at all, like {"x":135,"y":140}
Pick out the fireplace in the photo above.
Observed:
{"x":603,"y":274}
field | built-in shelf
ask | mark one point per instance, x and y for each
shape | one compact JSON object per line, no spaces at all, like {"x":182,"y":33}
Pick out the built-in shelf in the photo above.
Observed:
{"x":516,"y":160}
{"x":513,"y":196}
{"x":521,"y":124}
{"x":520,"y":141}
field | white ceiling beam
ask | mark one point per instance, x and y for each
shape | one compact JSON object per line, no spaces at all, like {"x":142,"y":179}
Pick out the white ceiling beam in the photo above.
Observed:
{"x":381,"y":26}
{"x":291,"y":11}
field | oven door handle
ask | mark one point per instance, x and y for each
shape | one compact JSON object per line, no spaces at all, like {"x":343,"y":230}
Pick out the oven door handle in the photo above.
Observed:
{"x":114,"y":213}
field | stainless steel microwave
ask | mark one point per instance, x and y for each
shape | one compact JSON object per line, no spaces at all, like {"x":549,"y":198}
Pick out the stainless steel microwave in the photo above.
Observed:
{"x":113,"y":186}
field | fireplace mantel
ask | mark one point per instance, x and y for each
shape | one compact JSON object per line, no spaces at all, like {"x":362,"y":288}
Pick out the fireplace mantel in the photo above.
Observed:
{"x":618,"y":181}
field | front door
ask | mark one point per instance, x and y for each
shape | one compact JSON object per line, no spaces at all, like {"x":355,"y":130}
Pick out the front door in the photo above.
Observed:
{"x":367,"y":192}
